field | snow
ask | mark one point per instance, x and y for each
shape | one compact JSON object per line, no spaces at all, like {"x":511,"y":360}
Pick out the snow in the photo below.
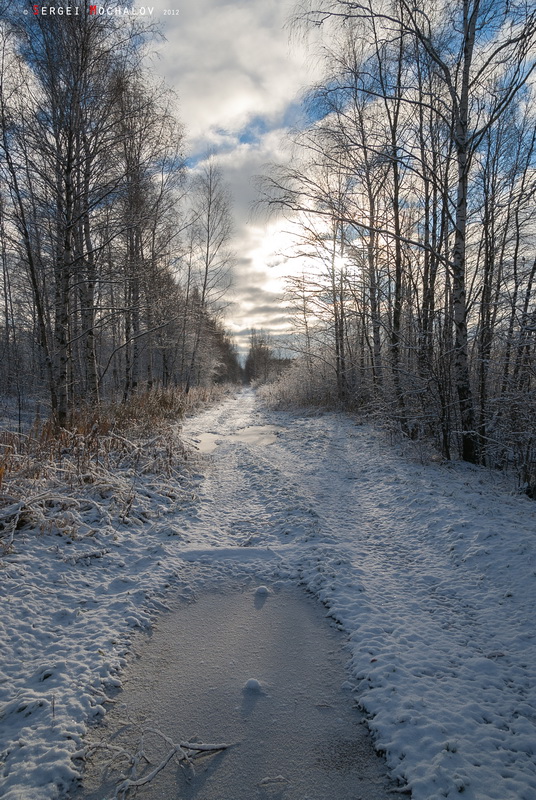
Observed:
{"x":429,"y":568}
{"x":252,"y":685}
{"x":188,"y":676}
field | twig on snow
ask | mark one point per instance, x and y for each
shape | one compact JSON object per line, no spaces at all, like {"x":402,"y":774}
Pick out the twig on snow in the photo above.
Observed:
{"x":185,"y":751}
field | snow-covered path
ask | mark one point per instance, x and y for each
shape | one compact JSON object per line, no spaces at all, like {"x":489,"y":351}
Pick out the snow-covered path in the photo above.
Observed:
{"x":428,"y":568}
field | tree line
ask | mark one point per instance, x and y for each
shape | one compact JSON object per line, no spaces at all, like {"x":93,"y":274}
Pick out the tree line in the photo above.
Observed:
{"x":263,"y":363}
{"x":411,"y":195}
{"x":115,"y":258}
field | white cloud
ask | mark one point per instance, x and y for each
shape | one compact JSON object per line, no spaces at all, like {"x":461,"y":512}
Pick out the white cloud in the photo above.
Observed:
{"x":231,"y":62}
{"x":233,"y":66}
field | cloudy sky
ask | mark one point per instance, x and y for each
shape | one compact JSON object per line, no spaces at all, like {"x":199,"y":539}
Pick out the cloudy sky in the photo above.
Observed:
{"x":238,"y":76}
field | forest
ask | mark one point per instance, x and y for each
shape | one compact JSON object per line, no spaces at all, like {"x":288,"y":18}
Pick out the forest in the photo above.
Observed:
{"x":409,"y":190}
{"x":411,"y":198}
{"x":115,"y":256}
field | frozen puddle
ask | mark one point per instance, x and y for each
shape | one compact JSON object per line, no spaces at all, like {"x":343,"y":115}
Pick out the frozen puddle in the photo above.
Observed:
{"x":261,"y":671}
{"x":253,"y":434}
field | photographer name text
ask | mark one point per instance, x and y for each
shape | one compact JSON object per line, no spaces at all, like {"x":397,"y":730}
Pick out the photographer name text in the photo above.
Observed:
{"x":94,"y":10}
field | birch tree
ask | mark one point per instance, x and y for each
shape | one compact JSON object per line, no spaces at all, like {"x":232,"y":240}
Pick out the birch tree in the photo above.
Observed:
{"x":481,"y":55}
{"x":210,"y":259}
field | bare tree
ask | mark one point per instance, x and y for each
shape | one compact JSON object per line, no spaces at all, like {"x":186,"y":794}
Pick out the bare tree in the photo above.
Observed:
{"x":93,"y":217}
{"x":459,"y":67}
{"x":210,"y":259}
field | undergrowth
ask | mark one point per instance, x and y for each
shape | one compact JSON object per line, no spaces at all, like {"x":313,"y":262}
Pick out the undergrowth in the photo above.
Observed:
{"x":46,"y":474}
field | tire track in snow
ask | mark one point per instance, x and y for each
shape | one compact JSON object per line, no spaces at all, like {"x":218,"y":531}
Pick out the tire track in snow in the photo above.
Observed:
{"x":413,"y":561}
{"x":244,"y":498}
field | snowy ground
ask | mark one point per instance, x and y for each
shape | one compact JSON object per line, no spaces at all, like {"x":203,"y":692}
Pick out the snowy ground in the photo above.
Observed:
{"x":430,"y":569}
{"x":257,"y":667}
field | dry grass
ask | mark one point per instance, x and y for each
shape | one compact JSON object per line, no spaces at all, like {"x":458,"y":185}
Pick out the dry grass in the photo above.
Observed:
{"x":93,"y":433}
{"x":100,"y":454}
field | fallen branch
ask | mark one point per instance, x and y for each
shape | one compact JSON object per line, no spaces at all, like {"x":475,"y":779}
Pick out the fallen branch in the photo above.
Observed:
{"x":185,"y":751}
{"x":74,"y":559}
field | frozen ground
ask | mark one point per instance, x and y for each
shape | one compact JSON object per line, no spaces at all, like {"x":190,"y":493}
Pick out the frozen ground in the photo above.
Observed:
{"x":429,"y":569}
{"x":264,"y":673}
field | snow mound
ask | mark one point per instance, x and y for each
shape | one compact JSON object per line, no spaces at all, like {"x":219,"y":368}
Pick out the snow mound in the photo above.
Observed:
{"x":252,"y":685}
